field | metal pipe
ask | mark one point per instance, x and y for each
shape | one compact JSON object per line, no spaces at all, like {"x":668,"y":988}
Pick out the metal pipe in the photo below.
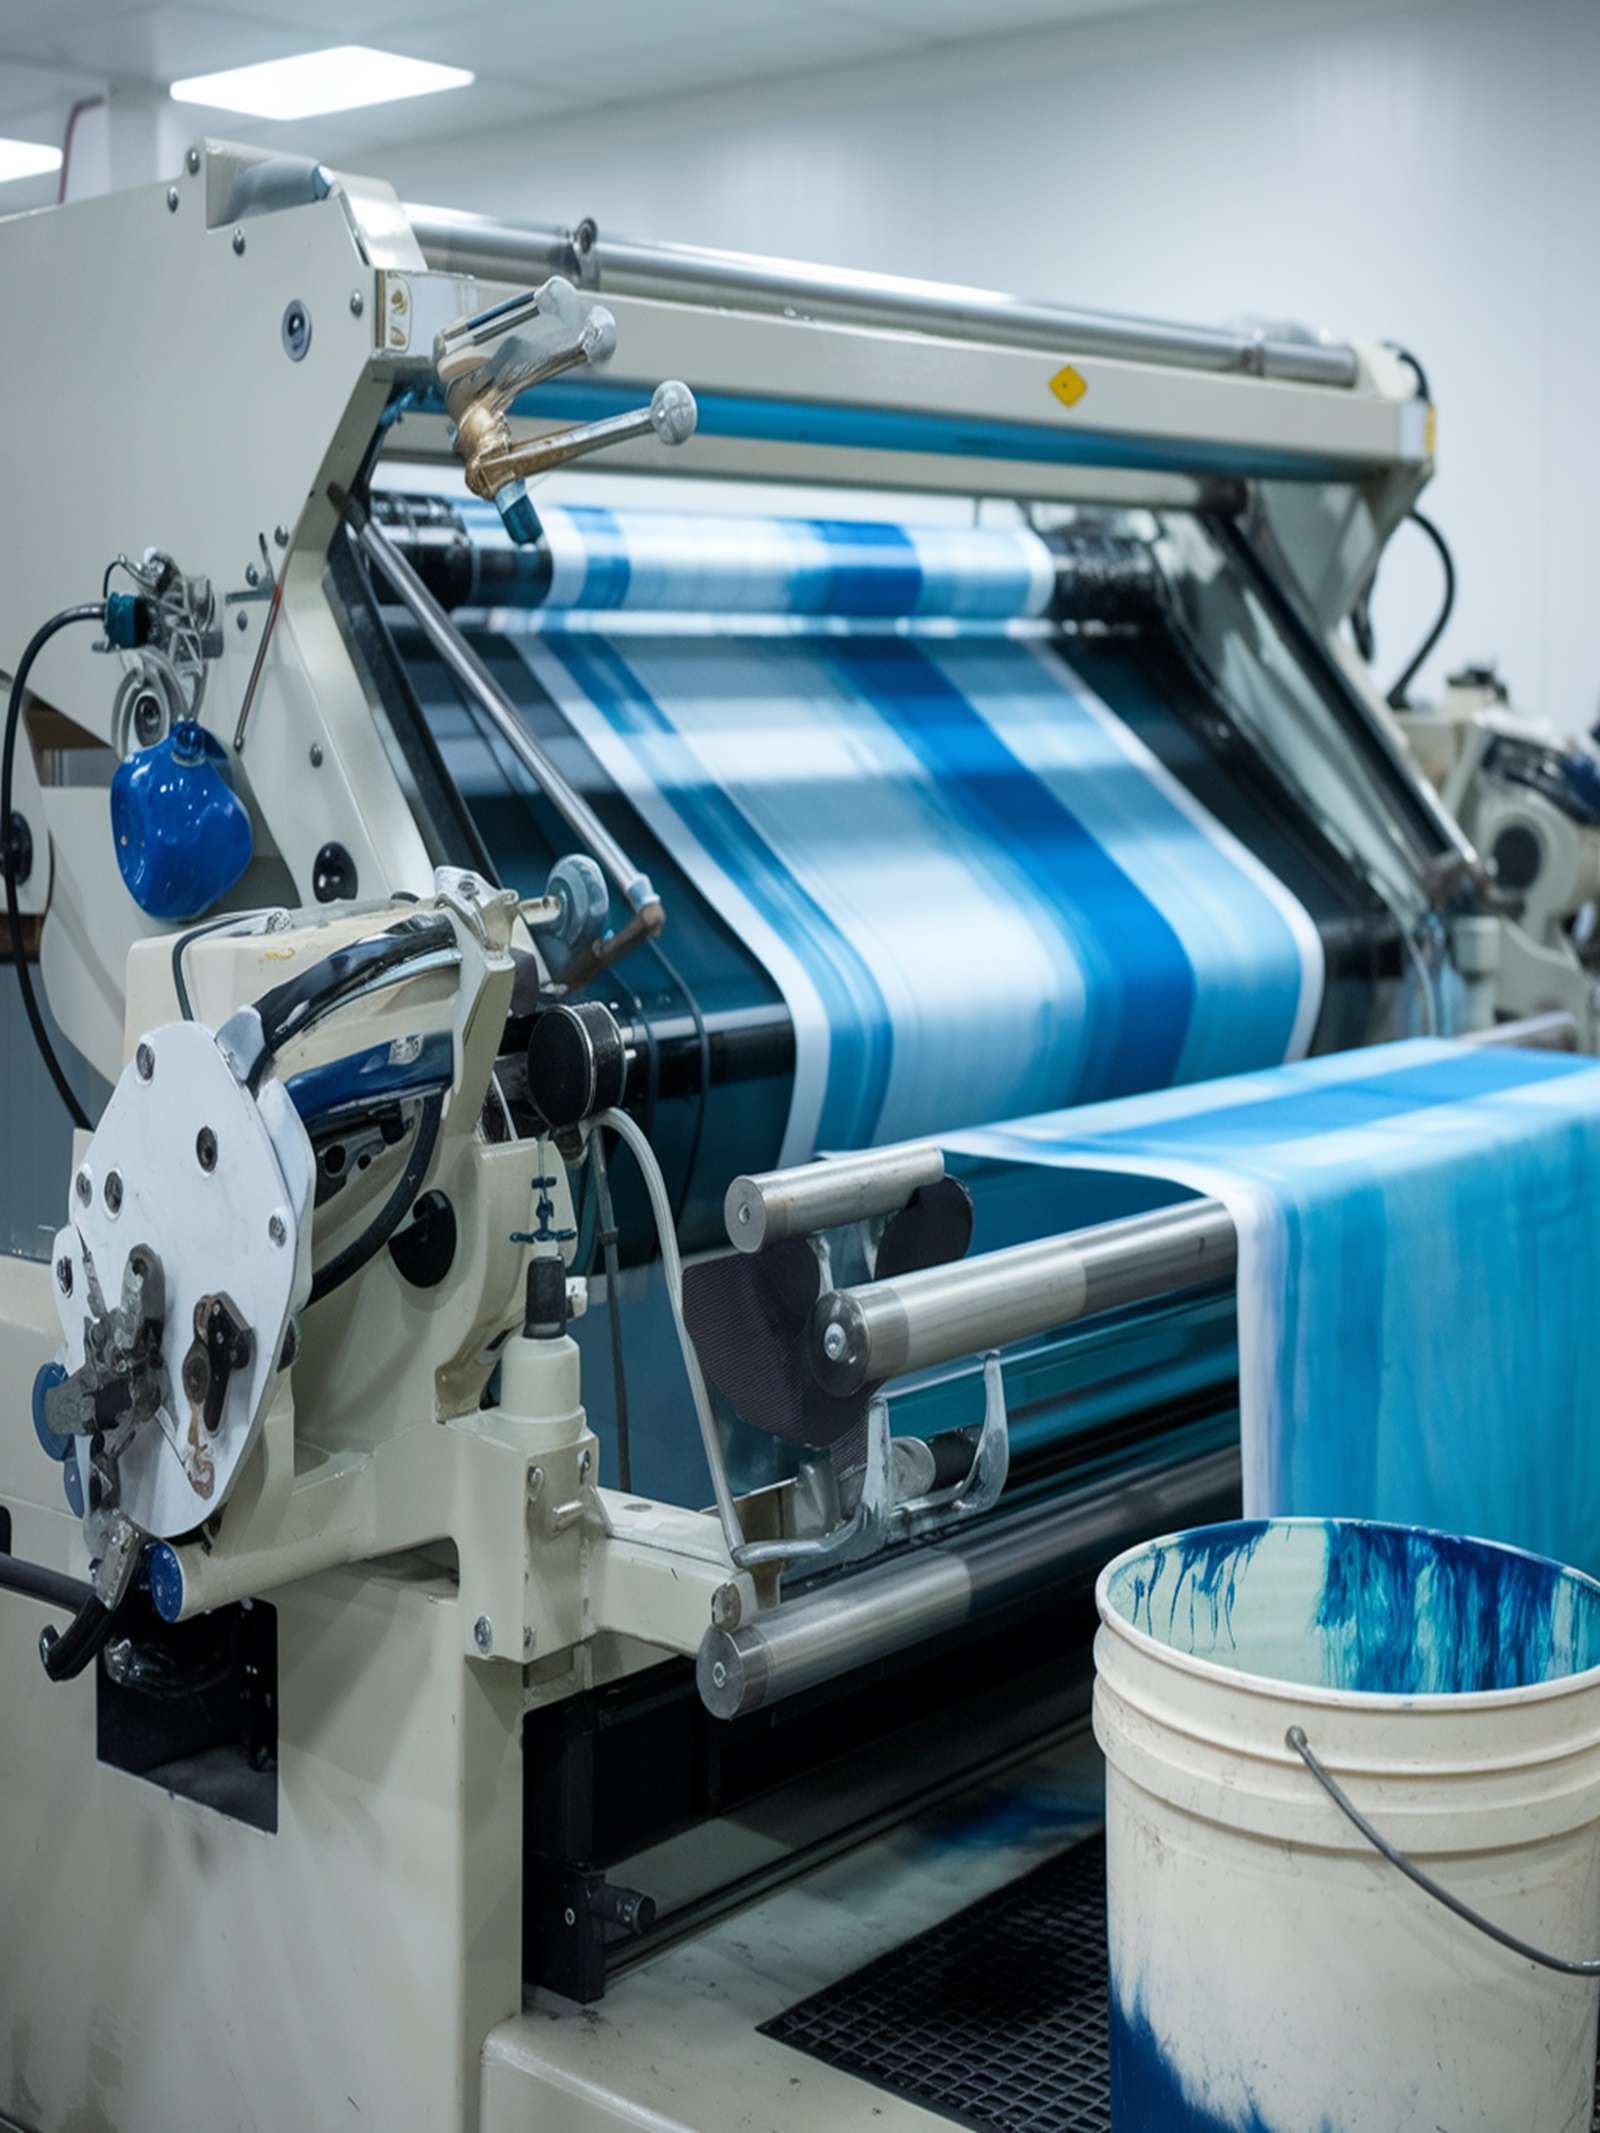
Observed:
{"x":469,"y":670}
{"x":879,"y":1330}
{"x":504,"y":251}
{"x":775,"y":1204}
{"x":882,"y":1329}
{"x":935,"y":1589}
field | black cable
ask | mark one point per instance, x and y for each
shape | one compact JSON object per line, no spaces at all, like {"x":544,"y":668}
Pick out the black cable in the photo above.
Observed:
{"x":66,"y":1652}
{"x":608,"y":1247}
{"x":54,"y":1587}
{"x":336,"y":1271}
{"x":88,"y":611}
{"x":1397,"y":695}
{"x":703,"y":1038}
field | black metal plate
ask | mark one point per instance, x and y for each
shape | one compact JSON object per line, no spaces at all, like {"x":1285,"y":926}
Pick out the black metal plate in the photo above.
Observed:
{"x":996,"y":2018}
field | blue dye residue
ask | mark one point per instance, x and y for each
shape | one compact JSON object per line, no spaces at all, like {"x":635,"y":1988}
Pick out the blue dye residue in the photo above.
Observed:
{"x":1146,"y":2093}
{"x":1405,"y":1612}
{"x":1207,"y":1565}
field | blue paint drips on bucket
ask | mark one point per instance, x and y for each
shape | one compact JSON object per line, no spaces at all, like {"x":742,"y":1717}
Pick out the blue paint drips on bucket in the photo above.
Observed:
{"x":1208,"y":1563}
{"x":1146,"y":2094}
{"x":1405,"y":1612}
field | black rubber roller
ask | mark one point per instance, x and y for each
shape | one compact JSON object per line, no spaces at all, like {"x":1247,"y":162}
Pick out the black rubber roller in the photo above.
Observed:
{"x":577,"y":1063}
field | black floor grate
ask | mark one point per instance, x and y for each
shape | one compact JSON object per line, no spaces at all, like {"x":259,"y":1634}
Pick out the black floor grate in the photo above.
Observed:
{"x":996,"y":2018}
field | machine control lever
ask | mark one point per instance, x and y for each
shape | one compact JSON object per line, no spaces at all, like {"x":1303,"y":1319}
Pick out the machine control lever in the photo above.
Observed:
{"x":485,"y":361}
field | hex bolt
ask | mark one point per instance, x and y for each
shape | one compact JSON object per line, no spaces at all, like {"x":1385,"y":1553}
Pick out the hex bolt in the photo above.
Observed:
{"x":172,"y":199}
{"x":358,"y":303}
{"x":277,"y":1229}
{"x":238,"y":243}
{"x":64,"y":1276}
{"x":113,"y":1192}
{"x":483,"y":1635}
{"x":83,"y":1186}
{"x":834,"y":1344}
{"x":205,"y":1148}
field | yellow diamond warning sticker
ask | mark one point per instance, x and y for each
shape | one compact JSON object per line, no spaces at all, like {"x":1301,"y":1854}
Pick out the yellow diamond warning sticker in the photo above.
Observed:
{"x":1069,"y":385}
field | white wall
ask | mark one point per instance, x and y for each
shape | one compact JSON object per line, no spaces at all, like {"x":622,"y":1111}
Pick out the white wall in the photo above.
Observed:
{"x":1428,"y":172}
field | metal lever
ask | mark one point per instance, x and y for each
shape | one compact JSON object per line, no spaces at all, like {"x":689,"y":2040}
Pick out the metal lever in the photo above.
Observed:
{"x":484,"y":362}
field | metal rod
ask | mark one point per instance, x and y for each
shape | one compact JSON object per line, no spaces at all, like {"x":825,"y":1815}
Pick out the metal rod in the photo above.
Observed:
{"x":775,"y":1204}
{"x":882,"y":1329}
{"x":879,"y":1330}
{"x":456,"y":243}
{"x":469,"y":670}
{"x":936,"y":1588}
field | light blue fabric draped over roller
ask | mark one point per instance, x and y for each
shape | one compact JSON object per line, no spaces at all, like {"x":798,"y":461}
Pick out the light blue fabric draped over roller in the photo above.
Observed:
{"x":977,"y":890}
{"x":1419,"y":1264}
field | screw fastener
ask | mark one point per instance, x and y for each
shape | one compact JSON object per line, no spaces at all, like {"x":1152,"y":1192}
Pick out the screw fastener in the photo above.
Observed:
{"x":205,"y":1148}
{"x":238,"y":243}
{"x":358,"y":303}
{"x":83,"y":1186}
{"x":834,"y":1343}
{"x":483,"y":1635}
{"x":64,"y":1276}
{"x":277,"y":1229}
{"x":113,"y":1192}
{"x":172,"y":199}
{"x":144,"y":1062}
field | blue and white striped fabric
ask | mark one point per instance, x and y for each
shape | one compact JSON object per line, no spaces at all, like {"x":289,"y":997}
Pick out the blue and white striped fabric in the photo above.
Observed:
{"x":663,"y":561}
{"x":978,"y":892}
{"x":1419,"y":1258}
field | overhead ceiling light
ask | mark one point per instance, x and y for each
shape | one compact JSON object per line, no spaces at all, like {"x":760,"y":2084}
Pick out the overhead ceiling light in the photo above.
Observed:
{"x":343,"y":78}
{"x":26,"y":159}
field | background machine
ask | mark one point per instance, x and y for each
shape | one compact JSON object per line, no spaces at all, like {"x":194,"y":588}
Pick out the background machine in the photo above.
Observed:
{"x":520,"y":1575}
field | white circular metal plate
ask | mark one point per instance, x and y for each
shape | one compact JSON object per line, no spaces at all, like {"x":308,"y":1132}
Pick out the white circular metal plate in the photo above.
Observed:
{"x":233,"y":1229}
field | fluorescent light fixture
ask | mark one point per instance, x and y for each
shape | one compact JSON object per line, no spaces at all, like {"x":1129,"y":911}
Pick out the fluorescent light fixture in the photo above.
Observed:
{"x":343,"y":78}
{"x":26,"y":159}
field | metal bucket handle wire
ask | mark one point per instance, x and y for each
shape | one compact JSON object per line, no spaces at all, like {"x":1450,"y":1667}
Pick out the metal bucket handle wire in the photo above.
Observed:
{"x":1295,"y":1738}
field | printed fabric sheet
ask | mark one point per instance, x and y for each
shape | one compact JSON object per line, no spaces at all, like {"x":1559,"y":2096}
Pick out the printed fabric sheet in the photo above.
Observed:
{"x":978,"y":892}
{"x":1419,"y":1258}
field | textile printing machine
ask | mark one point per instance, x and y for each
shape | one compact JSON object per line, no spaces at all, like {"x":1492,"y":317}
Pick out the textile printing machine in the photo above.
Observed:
{"x":483,"y":905}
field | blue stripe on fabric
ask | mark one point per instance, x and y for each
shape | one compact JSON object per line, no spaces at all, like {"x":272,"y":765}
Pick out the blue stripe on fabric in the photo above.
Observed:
{"x":861,"y":1037}
{"x":607,"y":569}
{"x":876,"y":570}
{"x":1137,"y":1030}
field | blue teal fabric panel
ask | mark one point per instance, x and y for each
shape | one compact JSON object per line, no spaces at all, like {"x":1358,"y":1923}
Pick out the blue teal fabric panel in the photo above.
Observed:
{"x":977,"y":891}
{"x":1419,"y":1250}
{"x":599,"y":560}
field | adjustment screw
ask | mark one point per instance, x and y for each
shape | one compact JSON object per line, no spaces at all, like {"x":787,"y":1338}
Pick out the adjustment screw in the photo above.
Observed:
{"x":205,"y":1148}
{"x":113,"y":1192}
{"x":172,"y":199}
{"x":83,"y":1186}
{"x":277,"y":1228}
{"x":834,"y":1343}
{"x":358,"y":303}
{"x":483,"y":1635}
{"x":64,"y":1276}
{"x":238,"y":243}
{"x":144,"y":1062}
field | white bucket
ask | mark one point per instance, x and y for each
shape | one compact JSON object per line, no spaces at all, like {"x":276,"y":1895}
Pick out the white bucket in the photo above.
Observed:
{"x":1270,"y":1971}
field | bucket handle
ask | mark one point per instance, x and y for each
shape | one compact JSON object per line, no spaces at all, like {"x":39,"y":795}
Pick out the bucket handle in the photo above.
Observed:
{"x":1295,"y":1738}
